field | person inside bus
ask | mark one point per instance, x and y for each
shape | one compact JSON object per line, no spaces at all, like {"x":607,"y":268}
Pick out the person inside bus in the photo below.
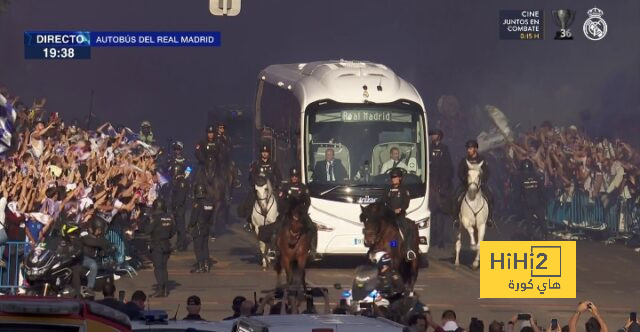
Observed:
{"x":394,"y":161}
{"x":330,"y":169}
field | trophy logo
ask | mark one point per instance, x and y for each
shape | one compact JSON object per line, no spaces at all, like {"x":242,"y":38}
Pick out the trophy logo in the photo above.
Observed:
{"x":595,"y":28}
{"x":563,"y":19}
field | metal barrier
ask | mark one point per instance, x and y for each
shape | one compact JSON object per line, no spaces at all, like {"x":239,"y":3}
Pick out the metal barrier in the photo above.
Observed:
{"x":10,"y":273}
{"x":579,"y":211}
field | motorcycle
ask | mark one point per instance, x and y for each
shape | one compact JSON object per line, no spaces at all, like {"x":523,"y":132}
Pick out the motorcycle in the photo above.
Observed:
{"x":50,"y":273}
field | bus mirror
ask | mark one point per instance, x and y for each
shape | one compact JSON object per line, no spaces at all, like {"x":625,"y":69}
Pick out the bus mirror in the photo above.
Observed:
{"x":224,"y":7}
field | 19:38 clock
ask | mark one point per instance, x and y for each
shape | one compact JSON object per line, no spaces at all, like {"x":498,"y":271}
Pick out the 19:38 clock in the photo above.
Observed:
{"x":59,"y":53}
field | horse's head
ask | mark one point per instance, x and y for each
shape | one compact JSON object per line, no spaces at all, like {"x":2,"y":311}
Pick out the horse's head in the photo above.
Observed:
{"x":371,"y":216}
{"x":263,"y":188}
{"x":473,"y":178}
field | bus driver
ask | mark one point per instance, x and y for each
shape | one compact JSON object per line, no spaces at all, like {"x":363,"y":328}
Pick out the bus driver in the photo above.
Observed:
{"x":394,"y":162}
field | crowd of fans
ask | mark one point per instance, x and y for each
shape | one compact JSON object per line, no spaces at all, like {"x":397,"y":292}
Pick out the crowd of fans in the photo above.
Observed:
{"x":590,"y":183}
{"x":57,"y":172}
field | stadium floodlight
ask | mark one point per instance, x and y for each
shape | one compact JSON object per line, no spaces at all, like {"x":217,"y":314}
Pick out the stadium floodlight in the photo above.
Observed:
{"x":224,"y":7}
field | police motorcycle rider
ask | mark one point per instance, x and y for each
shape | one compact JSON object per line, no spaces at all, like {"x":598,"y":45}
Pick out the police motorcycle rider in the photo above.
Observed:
{"x":201,"y":215}
{"x":266,"y":167}
{"x":72,"y":250}
{"x":390,"y":284}
{"x":397,"y":199}
{"x":473,"y":158}
{"x":93,"y":243}
{"x":530,"y":194}
{"x":161,"y":229}
{"x":146,"y":135}
{"x":179,"y":191}
{"x":296,"y":191}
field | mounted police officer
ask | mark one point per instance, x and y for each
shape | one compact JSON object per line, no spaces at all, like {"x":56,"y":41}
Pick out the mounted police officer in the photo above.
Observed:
{"x":179,"y":190}
{"x":297,"y":192}
{"x":177,"y":160}
{"x":473,"y":158}
{"x":160,"y":229}
{"x":397,"y":199}
{"x":441,"y":172}
{"x":207,"y":149}
{"x":530,"y":195}
{"x":201,"y":215}
{"x":264,"y":166}
{"x":223,"y":141}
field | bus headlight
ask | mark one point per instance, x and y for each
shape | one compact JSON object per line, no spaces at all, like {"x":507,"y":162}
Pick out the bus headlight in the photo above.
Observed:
{"x":424,"y":223}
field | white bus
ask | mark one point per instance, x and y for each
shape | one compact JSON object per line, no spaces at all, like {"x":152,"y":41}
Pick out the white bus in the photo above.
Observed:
{"x":361,"y":111}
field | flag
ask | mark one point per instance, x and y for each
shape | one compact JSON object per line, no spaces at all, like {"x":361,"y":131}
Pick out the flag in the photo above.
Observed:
{"x":499,"y":135}
{"x":7,"y":119}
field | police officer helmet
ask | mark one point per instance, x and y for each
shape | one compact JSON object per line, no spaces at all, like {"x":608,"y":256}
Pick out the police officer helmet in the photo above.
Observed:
{"x":177,"y":145}
{"x":200,"y":191}
{"x":471,"y":144}
{"x":526,"y":165}
{"x":145,"y":124}
{"x":436,"y":132}
{"x":265,"y":148}
{"x":210,"y":129}
{"x":396,"y":172}
{"x":293,"y":171}
{"x":159,"y":205}
{"x":69,"y":230}
{"x":383,"y":259}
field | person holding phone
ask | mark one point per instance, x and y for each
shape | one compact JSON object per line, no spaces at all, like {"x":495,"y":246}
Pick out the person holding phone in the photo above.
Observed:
{"x":595,"y":324}
{"x":633,"y":323}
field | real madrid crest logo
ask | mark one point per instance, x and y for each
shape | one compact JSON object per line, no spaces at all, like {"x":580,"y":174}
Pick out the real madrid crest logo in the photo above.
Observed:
{"x":595,"y":28}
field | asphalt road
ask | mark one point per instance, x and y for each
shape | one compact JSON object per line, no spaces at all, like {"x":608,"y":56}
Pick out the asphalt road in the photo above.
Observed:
{"x":607,"y":275}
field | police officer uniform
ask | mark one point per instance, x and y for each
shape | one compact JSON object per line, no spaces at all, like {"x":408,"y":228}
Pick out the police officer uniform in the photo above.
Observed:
{"x":201,"y":215}
{"x":397,"y":197}
{"x":440,"y":187}
{"x":223,"y":141}
{"x":261,"y":167}
{"x":207,"y":149}
{"x":463,"y":173}
{"x":531,"y":197}
{"x":179,"y":190}
{"x":160,"y":230}
{"x":298,"y":192}
{"x":178,"y":161}
{"x":390,"y":283}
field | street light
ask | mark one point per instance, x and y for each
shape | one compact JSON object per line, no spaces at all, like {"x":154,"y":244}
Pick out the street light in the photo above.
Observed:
{"x":224,"y":7}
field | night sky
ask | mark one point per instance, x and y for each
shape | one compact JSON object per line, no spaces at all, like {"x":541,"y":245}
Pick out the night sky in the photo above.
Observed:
{"x":442,"y":47}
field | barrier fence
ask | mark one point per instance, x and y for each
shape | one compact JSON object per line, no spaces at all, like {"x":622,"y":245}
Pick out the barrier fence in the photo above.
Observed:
{"x":12,"y":253}
{"x":579,"y":210}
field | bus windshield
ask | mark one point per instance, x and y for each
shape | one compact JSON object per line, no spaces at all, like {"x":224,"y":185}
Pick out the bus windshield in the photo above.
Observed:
{"x":350,"y":148}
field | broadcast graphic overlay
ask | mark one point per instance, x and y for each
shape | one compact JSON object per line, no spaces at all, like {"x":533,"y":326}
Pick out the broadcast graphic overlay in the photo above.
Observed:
{"x":528,"y":269}
{"x":70,"y":45}
{"x":521,"y":24}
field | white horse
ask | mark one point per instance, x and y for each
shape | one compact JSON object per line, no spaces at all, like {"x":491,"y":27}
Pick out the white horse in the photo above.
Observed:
{"x":265,"y":212}
{"x":474,"y":213}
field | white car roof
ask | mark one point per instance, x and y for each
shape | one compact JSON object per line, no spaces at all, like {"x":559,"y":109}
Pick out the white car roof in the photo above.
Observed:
{"x":340,"y":323}
{"x":223,"y":326}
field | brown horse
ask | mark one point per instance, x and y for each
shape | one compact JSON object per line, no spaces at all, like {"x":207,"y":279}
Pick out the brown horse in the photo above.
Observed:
{"x":382,"y":234}
{"x":293,"y":242}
